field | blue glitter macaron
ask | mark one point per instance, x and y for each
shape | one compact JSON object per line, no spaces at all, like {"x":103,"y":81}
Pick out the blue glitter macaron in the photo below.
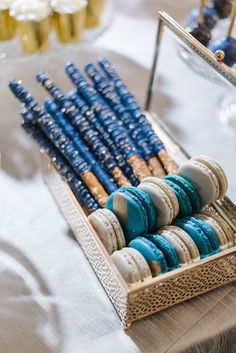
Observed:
{"x":189,"y":189}
{"x":198,"y":236}
{"x":185,"y":206}
{"x":134,"y":209}
{"x":167,"y":249}
{"x":154,"y":256}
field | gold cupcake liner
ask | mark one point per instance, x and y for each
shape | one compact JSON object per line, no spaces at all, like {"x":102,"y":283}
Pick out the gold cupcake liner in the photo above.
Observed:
{"x":7,"y":25}
{"x":34,"y":35}
{"x":93,"y":13}
{"x":69,"y":27}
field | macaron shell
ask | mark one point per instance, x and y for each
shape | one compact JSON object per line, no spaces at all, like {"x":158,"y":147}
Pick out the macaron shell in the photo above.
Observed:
{"x":141,"y":263}
{"x":197,"y":235}
{"x":188,"y":241}
{"x":209,"y":232}
{"x":167,"y":249}
{"x":130,"y":213}
{"x":117,"y":228}
{"x":168,"y":191}
{"x":189,"y":188}
{"x":165,"y":212}
{"x":227,"y":229}
{"x":203,"y":179}
{"x":217,"y":228}
{"x":152,"y":255}
{"x":105,"y":230}
{"x":185,"y":207}
{"x":147,"y":203}
{"x":126,"y":266}
{"x":217,"y":170}
{"x":179,"y":246}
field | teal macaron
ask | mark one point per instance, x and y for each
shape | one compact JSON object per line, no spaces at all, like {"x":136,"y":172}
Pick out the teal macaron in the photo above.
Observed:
{"x":185,"y":207}
{"x":209,"y":232}
{"x":154,"y":256}
{"x":190,"y":190}
{"x":167,"y":249}
{"x":134,"y":210}
{"x":198,"y":236}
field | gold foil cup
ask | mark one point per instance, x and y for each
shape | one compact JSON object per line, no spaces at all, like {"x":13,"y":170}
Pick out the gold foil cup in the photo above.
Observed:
{"x":34,"y":35}
{"x":7,"y":25}
{"x":69,"y":26}
{"x":94,"y":12}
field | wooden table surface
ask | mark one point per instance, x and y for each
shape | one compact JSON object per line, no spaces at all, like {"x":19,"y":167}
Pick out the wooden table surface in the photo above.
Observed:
{"x":60,"y":305}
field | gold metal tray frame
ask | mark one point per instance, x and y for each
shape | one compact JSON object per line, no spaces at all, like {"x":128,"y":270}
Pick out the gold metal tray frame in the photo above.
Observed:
{"x":142,"y":299}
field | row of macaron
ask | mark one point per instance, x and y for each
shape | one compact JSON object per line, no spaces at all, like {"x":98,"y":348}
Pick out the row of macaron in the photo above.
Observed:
{"x":186,"y":241}
{"x":156,"y":202}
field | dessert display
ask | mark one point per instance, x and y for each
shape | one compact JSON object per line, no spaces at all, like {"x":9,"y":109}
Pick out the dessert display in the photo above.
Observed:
{"x":151,"y":215}
{"x":201,"y":21}
{"x":7,"y":23}
{"x":227,"y":43}
{"x":69,"y":19}
{"x":32,"y":21}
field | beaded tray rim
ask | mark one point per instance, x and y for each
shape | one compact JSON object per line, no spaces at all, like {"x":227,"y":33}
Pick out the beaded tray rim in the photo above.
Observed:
{"x":122,"y":296}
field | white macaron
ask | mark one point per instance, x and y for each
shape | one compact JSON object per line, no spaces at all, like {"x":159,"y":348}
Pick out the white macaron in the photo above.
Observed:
{"x":163,"y":198}
{"x":217,"y":170}
{"x":181,"y":249}
{"x":185,"y":237}
{"x":204,"y":180}
{"x":132,"y":265}
{"x":108,"y":229}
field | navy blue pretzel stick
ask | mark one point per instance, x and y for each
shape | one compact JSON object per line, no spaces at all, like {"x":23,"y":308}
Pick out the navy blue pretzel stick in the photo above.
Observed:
{"x":107,"y":91}
{"x":61,"y":141}
{"x":105,"y":136}
{"x":77,"y":186}
{"x":110,"y":122}
{"x":141,"y":121}
{"x":84,"y":152}
{"x":87,"y":133}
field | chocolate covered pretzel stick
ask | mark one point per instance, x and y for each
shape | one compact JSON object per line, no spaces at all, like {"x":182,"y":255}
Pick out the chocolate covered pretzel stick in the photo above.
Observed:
{"x":87,"y":133}
{"x":61,"y":141}
{"x":77,"y":186}
{"x":110,"y":122}
{"x":70,"y":131}
{"x":90,"y":116}
{"x":140,"y":119}
{"x":107,"y":91}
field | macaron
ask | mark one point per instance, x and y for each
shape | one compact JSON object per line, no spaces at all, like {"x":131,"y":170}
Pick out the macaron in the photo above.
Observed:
{"x":134,"y":210}
{"x":108,"y":229}
{"x":188,"y":241}
{"x":179,"y":246}
{"x":214,"y":224}
{"x":209,"y":232}
{"x":167,"y":249}
{"x":198,"y":236}
{"x":228,"y":231}
{"x":185,"y":207}
{"x":203,"y":179}
{"x":189,"y":189}
{"x":217,"y":170}
{"x":140,"y":261}
{"x":163,"y":198}
{"x":126,"y":265}
{"x":154,"y":256}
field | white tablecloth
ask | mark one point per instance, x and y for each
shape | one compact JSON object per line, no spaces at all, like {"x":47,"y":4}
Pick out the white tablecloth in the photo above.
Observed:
{"x":50,"y":299}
